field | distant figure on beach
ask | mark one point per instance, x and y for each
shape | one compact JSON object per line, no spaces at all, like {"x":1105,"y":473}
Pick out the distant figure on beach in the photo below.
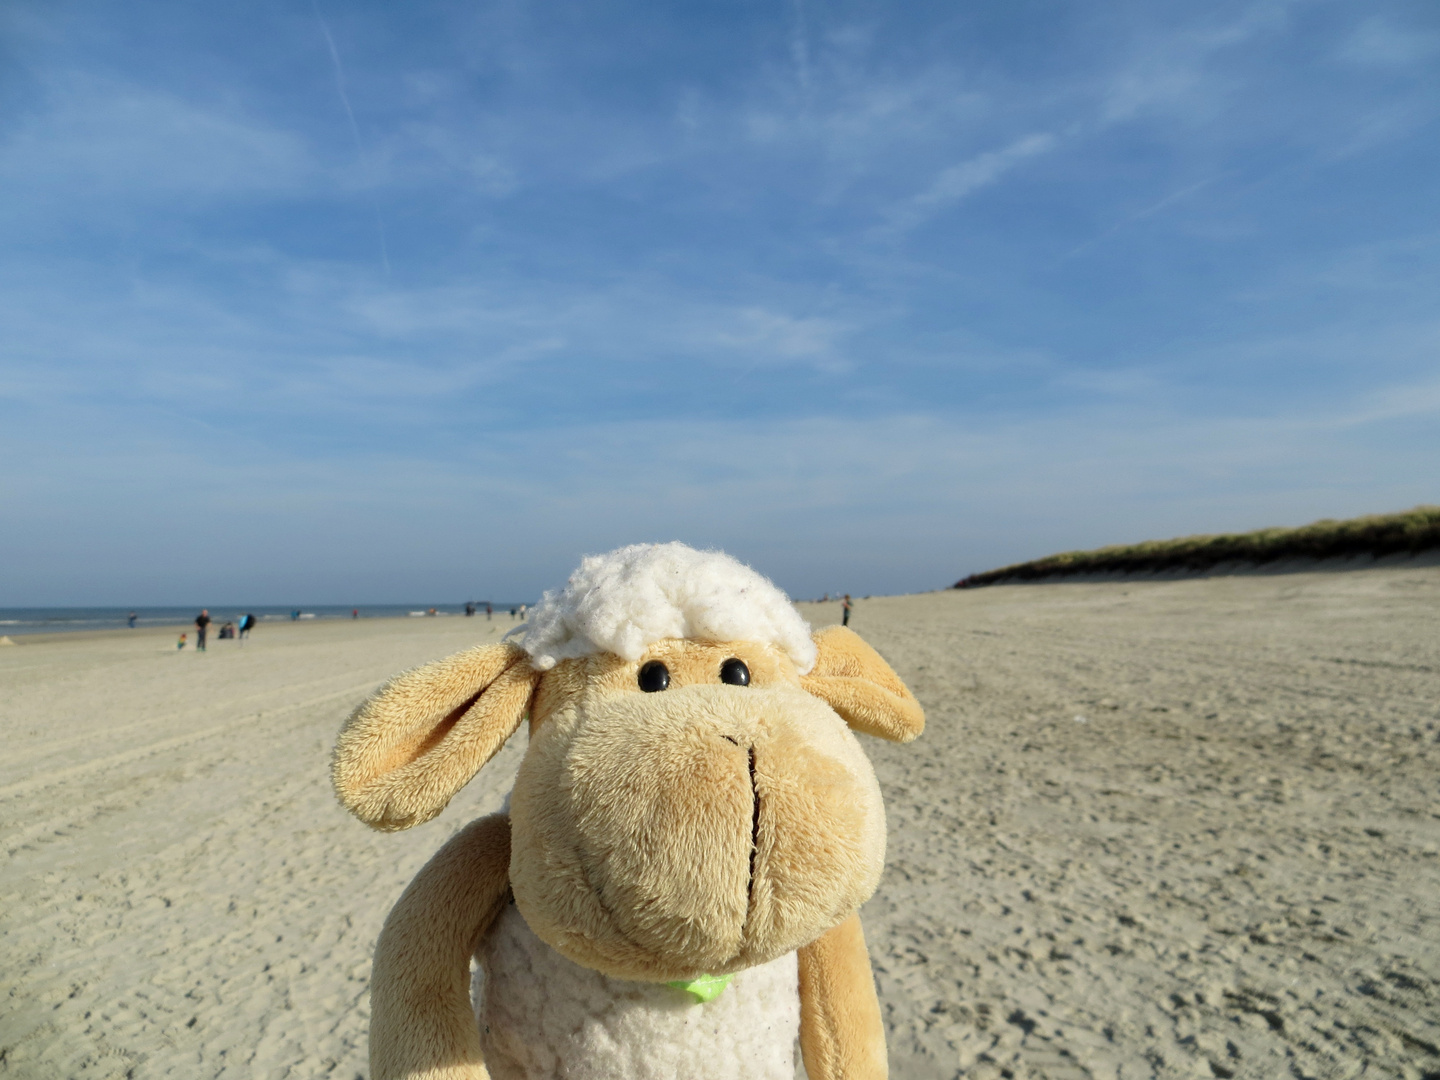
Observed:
{"x":181,"y":643}
{"x":522,"y":611}
{"x":202,"y":623}
{"x":512,"y":614}
{"x":845,"y":610}
{"x":489,"y":610}
{"x":354,"y":612}
{"x":227,"y":631}
{"x":246,"y":622}
{"x":131,"y":620}
{"x":430,"y":612}
{"x":295,"y":615}
{"x":469,"y":608}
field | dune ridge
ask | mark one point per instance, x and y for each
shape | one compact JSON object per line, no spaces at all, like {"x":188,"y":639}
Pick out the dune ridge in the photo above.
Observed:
{"x":1409,"y":532}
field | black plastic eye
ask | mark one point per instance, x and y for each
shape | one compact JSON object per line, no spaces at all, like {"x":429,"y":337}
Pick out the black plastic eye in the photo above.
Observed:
{"x":654,"y":676}
{"x":734,"y":672}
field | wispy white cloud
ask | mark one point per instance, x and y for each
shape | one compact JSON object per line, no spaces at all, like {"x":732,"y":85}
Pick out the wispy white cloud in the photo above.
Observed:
{"x":1166,"y":75}
{"x":1380,"y":43}
{"x":959,"y":181}
{"x":344,"y":96}
{"x":92,"y":137}
{"x":1174,"y":73}
{"x":1164,"y":203}
{"x":1420,"y":399}
{"x":770,"y":336}
{"x":413,"y":156}
{"x":858,"y":114}
{"x":800,"y":45}
{"x":339,"y":70}
{"x":1396,"y":268}
{"x":329,"y":344}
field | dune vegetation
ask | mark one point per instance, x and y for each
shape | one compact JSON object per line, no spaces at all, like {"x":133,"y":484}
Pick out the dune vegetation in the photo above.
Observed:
{"x":1408,"y":532}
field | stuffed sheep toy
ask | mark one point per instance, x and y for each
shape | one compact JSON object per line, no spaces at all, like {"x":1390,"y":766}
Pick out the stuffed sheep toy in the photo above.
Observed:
{"x":673,"y":892}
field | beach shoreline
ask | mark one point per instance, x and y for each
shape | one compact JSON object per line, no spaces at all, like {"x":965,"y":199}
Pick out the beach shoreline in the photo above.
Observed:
{"x":27,"y":622}
{"x":172,"y":629}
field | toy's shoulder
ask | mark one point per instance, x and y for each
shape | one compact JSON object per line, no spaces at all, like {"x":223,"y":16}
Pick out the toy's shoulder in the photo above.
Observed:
{"x":541,"y":1015}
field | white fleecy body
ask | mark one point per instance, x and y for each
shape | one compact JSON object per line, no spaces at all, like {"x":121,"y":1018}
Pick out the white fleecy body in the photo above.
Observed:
{"x":542,"y":1016}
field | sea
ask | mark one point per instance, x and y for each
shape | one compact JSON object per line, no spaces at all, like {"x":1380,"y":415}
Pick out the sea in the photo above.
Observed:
{"x":59,"y":620}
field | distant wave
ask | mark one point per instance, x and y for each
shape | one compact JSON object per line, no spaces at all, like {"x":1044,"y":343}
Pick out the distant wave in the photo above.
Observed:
{"x":74,"y":619}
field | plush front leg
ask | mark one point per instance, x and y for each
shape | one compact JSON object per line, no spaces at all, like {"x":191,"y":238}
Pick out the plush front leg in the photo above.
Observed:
{"x":422,"y":1026}
{"x":841,"y":1034}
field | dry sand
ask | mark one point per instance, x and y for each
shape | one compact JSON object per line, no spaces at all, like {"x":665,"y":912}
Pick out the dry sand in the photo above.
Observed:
{"x":1186,"y":828}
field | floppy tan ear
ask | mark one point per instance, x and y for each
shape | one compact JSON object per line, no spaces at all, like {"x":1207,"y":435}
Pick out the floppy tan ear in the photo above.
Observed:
{"x":404,"y":754}
{"x":855,"y":681}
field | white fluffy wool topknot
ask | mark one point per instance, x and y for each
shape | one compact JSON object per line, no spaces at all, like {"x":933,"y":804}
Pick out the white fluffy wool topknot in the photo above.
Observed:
{"x":628,"y":599}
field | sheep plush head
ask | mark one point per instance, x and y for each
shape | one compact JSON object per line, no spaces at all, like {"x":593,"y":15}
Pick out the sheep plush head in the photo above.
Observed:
{"x":692,"y":799}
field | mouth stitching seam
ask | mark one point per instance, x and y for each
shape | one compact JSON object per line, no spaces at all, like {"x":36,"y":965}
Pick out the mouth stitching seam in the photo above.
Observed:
{"x":754,"y":831}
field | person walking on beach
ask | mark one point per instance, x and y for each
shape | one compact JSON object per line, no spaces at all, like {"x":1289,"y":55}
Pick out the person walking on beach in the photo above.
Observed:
{"x":131,"y":620}
{"x":489,"y":610}
{"x":845,"y":606}
{"x":202,"y":623}
{"x":246,"y":622}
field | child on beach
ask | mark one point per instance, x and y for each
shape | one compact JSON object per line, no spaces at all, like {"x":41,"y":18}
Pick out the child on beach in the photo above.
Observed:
{"x":181,"y":643}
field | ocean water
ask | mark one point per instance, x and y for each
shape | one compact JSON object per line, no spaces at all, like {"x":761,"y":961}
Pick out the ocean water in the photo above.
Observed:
{"x":15,"y":621}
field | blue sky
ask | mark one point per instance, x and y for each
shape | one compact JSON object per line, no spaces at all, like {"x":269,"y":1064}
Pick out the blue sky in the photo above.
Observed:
{"x":319,"y":302}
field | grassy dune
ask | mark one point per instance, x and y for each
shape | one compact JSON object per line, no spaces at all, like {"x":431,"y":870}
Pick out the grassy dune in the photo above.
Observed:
{"x":1378,"y":534}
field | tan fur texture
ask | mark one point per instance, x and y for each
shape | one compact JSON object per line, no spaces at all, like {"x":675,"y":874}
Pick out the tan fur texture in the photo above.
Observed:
{"x":421,"y":1024}
{"x":641,"y":865}
{"x":841,"y":1034}
{"x":405,"y":753}
{"x":855,"y":681}
{"x":703,"y":829}
{"x":639,"y":847}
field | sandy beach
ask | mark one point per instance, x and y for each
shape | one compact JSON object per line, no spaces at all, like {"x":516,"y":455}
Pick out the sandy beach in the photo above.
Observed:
{"x":1182,"y":828}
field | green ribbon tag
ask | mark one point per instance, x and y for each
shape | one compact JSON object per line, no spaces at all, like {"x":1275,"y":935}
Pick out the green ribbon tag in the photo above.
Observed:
{"x":705,"y":988}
